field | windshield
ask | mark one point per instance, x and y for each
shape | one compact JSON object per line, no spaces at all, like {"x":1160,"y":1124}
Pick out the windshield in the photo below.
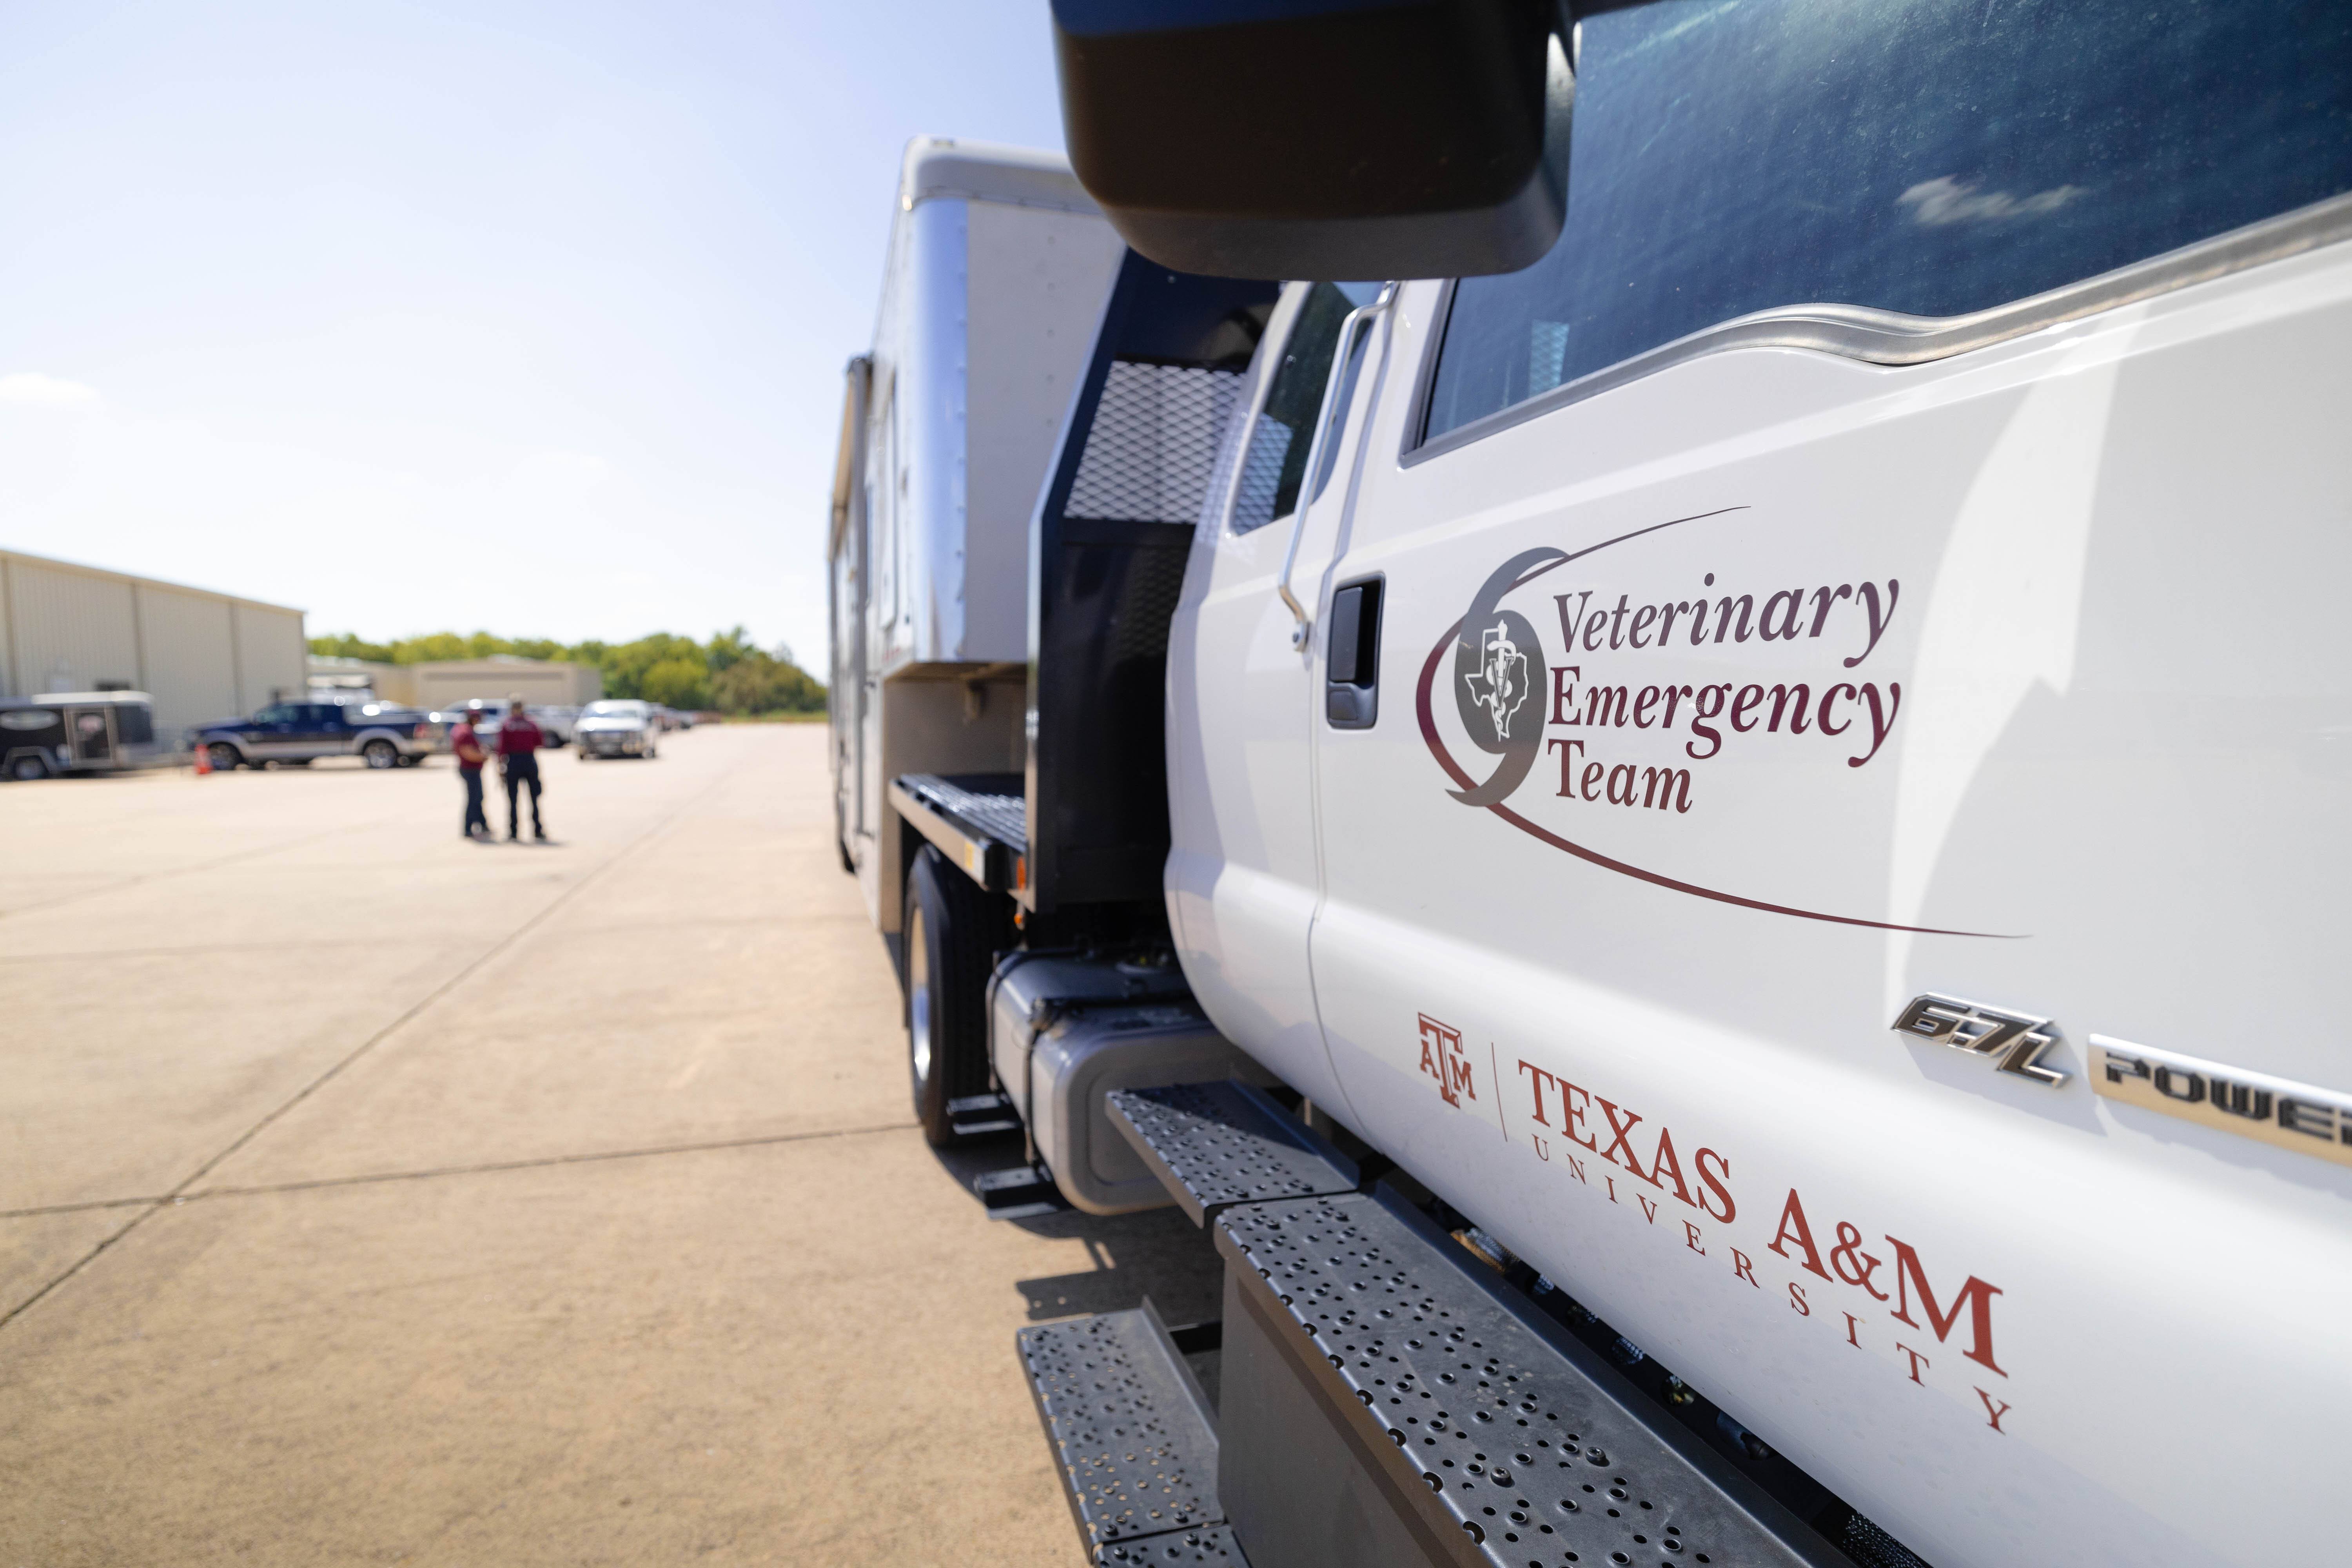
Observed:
{"x":614,"y":710}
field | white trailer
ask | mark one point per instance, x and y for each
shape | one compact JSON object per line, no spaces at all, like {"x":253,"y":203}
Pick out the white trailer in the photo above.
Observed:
{"x":996,"y":274}
{"x":1751,"y":784}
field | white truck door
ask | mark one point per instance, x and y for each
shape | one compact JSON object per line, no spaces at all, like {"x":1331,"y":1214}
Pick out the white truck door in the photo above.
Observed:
{"x":1751,"y":667}
{"x":1241,"y":877}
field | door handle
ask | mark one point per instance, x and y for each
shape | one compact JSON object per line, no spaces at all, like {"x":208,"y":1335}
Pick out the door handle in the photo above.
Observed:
{"x":1351,"y":657}
{"x":1357,"y":321}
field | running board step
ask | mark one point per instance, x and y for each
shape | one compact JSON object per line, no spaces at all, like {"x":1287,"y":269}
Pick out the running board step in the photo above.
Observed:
{"x":1494,"y":1437}
{"x":1216,"y":1145}
{"x":1133,"y":1436}
{"x":1214,"y":1547}
{"x":975,"y":1115}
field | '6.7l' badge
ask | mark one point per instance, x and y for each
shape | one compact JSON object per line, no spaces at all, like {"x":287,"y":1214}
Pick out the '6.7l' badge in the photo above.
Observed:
{"x":2019,"y":1039}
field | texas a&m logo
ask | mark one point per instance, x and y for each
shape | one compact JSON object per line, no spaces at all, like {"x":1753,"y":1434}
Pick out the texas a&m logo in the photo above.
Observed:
{"x":1442,"y":1059}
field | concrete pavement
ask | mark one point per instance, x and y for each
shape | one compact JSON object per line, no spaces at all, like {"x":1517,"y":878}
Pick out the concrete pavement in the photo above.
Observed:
{"x":373,"y":1196}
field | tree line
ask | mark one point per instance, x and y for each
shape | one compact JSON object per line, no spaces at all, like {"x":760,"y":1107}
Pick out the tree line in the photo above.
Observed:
{"x":728,"y":673}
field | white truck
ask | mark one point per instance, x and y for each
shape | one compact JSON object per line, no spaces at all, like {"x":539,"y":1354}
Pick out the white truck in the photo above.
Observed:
{"x":1706,"y":842}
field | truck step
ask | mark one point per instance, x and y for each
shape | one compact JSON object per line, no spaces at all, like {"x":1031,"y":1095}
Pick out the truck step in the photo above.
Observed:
{"x":1214,"y":1545}
{"x":976,"y":1115}
{"x":980,"y":821}
{"x":1216,"y":1145}
{"x":1023,"y":1192}
{"x":1477,"y":1416}
{"x":1133,"y":1435}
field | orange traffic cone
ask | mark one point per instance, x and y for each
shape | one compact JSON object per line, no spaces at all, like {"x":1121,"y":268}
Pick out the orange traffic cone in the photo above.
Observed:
{"x":203,"y":759}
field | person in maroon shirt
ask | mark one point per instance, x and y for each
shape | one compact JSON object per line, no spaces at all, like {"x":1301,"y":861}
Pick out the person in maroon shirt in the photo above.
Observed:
{"x":468,"y":744}
{"x":519,"y":742}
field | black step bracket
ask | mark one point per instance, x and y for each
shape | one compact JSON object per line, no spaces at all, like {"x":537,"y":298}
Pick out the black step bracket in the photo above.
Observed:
{"x":977,"y":1115}
{"x":1509,"y":1441}
{"x":1216,"y":1145}
{"x":1021,"y":1192}
{"x":1130,"y":1427}
{"x":1214,"y":1546}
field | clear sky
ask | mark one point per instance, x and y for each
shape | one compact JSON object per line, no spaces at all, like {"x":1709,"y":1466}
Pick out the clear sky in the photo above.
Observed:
{"x":492,"y":314}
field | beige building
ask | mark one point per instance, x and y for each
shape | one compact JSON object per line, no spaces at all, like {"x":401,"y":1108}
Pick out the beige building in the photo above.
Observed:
{"x":201,"y":655}
{"x":444,"y":684}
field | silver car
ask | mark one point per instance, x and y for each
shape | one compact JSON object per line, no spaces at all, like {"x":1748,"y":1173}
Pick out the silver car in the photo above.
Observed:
{"x":619,"y":727}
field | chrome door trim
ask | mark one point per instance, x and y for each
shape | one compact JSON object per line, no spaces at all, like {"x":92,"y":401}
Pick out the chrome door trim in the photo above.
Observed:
{"x":1270,"y":345}
{"x":1894,"y":339}
{"x":1342,"y":352}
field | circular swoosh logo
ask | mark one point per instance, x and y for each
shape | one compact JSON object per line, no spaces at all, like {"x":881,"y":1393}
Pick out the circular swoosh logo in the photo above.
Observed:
{"x":1498,"y":663}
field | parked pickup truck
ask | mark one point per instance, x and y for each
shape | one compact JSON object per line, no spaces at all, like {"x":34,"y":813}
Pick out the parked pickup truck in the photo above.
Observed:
{"x":1705,"y":824}
{"x":381,"y":734}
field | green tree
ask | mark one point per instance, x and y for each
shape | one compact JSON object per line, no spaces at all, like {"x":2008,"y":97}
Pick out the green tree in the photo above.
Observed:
{"x":681,"y":683}
{"x":731,"y":671}
{"x":347,"y":645}
{"x":761,"y":683}
{"x":728,"y":648}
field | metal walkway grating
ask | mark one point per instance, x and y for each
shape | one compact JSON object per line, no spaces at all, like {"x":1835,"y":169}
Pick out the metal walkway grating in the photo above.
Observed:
{"x":1516,"y":1436}
{"x":1137,"y":1452}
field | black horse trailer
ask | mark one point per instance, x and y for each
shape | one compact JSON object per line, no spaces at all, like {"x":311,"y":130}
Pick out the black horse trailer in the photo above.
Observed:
{"x":75,"y":733}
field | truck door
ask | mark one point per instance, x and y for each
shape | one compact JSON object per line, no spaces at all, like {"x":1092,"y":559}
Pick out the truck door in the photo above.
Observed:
{"x":1242,"y":873}
{"x":321,"y":730}
{"x":1745,"y":669}
{"x":273,"y":731}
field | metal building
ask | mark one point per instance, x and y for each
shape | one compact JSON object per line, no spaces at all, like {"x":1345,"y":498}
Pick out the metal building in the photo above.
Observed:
{"x":201,"y":655}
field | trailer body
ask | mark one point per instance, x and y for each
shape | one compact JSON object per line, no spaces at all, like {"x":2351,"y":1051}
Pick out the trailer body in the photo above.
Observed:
{"x":997,"y":269}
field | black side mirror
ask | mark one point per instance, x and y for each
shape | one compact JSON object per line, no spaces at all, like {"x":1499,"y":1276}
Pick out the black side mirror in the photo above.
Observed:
{"x":1322,"y":138}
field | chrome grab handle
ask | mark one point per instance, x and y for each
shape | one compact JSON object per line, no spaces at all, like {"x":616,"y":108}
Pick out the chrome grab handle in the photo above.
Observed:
{"x":1361,"y":317}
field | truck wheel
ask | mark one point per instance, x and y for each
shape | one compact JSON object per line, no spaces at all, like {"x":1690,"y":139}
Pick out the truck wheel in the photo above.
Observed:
{"x":953,"y":930}
{"x":379,"y":753}
{"x":225,"y":756}
{"x":25,"y":769}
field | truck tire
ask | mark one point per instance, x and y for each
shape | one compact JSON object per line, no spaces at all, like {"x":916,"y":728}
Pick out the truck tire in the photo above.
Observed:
{"x":954,"y":929}
{"x":226,"y":757}
{"x":24,"y":770}
{"x":380,"y":754}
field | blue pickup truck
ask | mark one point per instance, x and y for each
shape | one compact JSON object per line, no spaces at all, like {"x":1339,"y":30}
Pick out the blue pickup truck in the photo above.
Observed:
{"x":381,"y":734}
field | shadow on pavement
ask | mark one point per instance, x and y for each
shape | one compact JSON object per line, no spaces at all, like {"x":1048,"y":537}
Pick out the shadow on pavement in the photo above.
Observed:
{"x":1158,"y":1252}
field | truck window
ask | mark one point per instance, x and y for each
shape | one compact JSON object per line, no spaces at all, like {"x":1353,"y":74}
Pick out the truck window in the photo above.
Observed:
{"x":1931,"y":160}
{"x":1275,"y":463}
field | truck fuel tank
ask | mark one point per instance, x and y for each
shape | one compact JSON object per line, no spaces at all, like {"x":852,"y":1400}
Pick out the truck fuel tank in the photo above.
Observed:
{"x":1066,"y":1030}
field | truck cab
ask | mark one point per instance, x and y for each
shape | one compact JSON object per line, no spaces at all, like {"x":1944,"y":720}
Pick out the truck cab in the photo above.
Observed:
{"x":1707,"y":775}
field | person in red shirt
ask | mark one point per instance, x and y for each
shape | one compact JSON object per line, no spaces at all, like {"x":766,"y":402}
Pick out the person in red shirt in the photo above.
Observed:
{"x":519,"y":742}
{"x":468,"y":744}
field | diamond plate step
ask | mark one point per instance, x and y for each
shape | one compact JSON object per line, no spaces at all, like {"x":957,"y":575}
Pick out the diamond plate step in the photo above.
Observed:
{"x":1216,"y":1145}
{"x":1214,"y":1546}
{"x":1521,"y":1439}
{"x":1134,"y":1437}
